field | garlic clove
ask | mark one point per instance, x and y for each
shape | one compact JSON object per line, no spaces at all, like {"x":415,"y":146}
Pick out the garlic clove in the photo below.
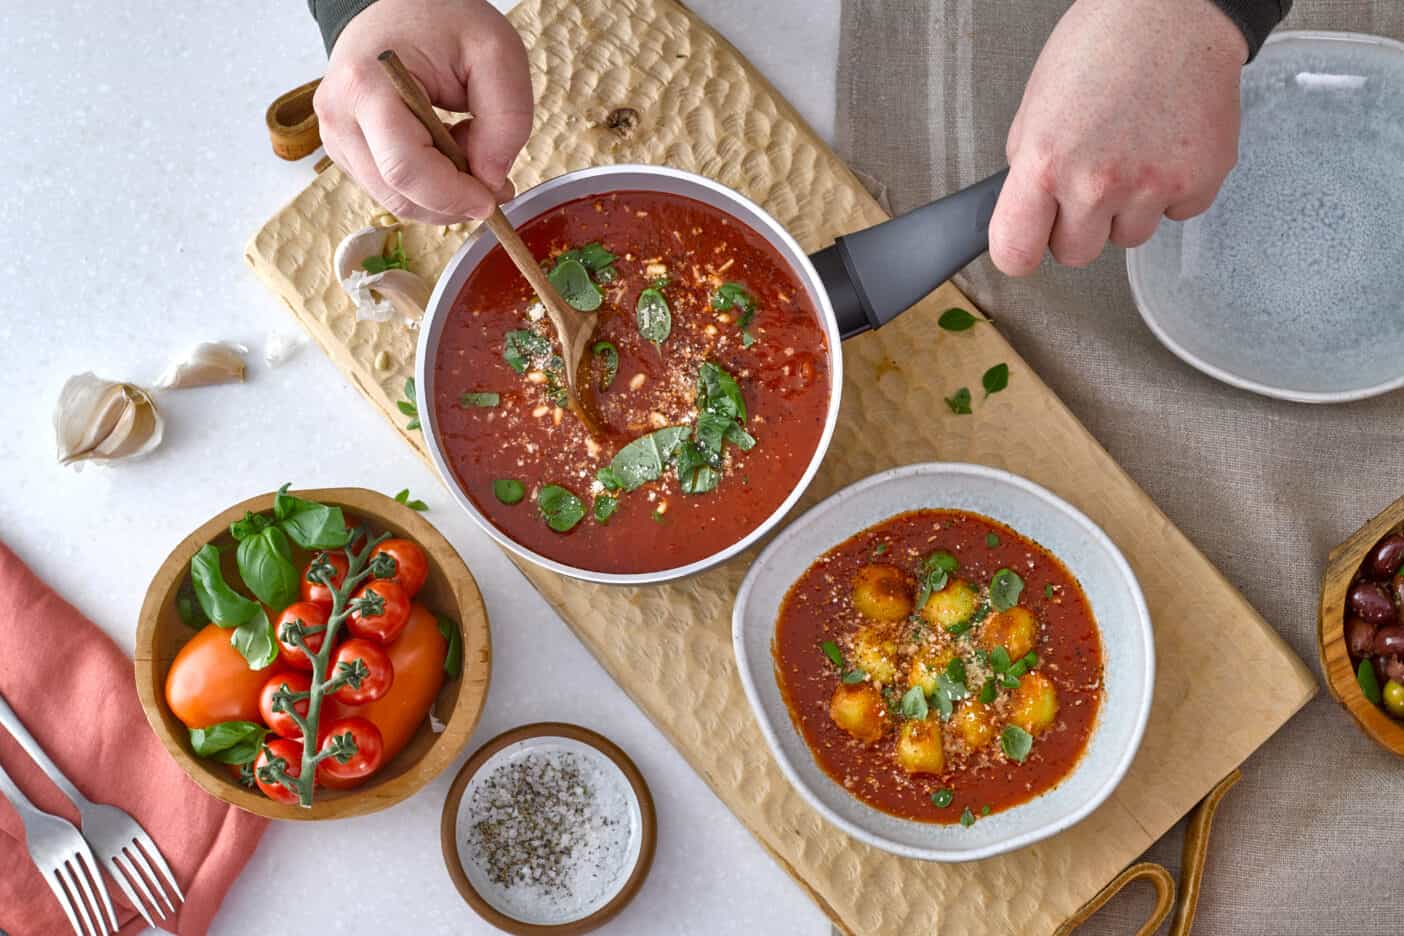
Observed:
{"x":281,"y":347}
{"x":208,"y":363}
{"x":358,"y":247}
{"x":103,"y":420}
{"x":379,"y":296}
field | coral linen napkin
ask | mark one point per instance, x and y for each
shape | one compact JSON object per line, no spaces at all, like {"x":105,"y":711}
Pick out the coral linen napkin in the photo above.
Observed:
{"x":75,"y":691}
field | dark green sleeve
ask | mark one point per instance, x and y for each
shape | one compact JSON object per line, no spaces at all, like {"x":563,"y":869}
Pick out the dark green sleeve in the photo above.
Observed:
{"x":1255,"y":18}
{"x":333,"y":15}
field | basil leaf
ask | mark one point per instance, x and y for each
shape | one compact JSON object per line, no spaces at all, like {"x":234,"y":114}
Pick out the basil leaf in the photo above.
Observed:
{"x":609,"y":479}
{"x":832,"y":651}
{"x":695,"y":472}
{"x":404,"y":498}
{"x":944,"y":705}
{"x":311,"y":525}
{"x":561,"y":509}
{"x":854,"y":676}
{"x":988,"y":692}
{"x":606,"y":275}
{"x":395,"y":261}
{"x":508,"y":490}
{"x":914,"y":703}
{"x":483,"y":398}
{"x":1369,"y":682}
{"x":591,"y":256}
{"x":1048,"y":591}
{"x":249,"y":526}
{"x":985,"y":810}
{"x":933,"y":581}
{"x":609,"y":362}
{"x":1030,"y":659}
{"x":265,"y":565}
{"x":605,"y":506}
{"x":942,"y":798}
{"x":711,"y":434}
{"x":740,"y":437}
{"x":967,"y":818}
{"x":523,"y":346}
{"x":940,"y":559}
{"x":1016,"y":743}
{"x":999,"y":660}
{"x":409,"y":406}
{"x":995,"y":379}
{"x":879,"y":549}
{"x":231,"y":742}
{"x":221,"y":604}
{"x":1005,"y":588}
{"x":1009,"y":680}
{"x":991,"y":540}
{"x":254,"y":640}
{"x":644,"y":459}
{"x":733,"y":295}
{"x":1018,"y":668}
{"x":453,"y":656}
{"x":573,"y":282}
{"x":956,"y":670}
{"x":188,"y":606}
{"x":719,"y":393}
{"x":653,"y":317}
{"x":956,"y":320}
{"x":959,"y":402}
{"x":954,"y":689}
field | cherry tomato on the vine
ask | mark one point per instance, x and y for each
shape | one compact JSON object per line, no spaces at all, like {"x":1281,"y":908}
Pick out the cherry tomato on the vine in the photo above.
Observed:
{"x":291,"y":754}
{"x":373,"y":663}
{"x":380,"y":610}
{"x":411,"y":565}
{"x":369,"y":755}
{"x":318,"y":592}
{"x":282,"y":723}
{"x":311,"y":615}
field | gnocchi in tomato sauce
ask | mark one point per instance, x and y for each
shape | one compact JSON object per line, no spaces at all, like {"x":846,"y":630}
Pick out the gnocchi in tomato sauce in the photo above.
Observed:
{"x":940,"y":666}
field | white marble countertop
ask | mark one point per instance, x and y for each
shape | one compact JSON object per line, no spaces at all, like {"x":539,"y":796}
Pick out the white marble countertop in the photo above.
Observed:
{"x":136,"y":167}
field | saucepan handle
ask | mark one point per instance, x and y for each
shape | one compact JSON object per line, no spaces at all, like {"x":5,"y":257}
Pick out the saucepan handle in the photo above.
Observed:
{"x":874,"y":275}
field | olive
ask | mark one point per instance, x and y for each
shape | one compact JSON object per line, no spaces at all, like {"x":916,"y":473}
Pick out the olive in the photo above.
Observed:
{"x":1394,"y":698}
{"x":1389,"y":641}
{"x":1370,"y":601}
{"x":1386,"y":558}
{"x":1360,"y":636}
{"x":1399,"y":589}
{"x":1391,"y":667}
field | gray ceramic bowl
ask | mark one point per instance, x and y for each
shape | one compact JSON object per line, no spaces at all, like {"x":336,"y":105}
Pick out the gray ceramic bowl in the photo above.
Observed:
{"x":1291,"y":285}
{"x":1128,"y":650}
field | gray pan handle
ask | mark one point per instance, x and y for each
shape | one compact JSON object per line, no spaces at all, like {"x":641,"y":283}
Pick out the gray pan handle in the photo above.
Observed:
{"x":874,"y":275}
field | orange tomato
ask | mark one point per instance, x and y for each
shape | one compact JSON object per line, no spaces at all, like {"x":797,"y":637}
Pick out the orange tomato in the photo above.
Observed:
{"x":210,"y":682}
{"x":417,"y":657}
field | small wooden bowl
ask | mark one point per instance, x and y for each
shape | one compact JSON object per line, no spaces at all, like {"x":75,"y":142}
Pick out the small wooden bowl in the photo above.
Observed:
{"x":450,"y":590}
{"x":448,"y":830}
{"x":1341,"y":567}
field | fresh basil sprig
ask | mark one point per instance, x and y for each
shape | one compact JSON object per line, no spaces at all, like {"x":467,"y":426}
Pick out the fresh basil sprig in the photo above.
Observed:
{"x":266,"y":566}
{"x":643,"y":459}
{"x":253,"y":634}
{"x":453,"y":657}
{"x":409,"y":406}
{"x":413,"y":504}
{"x":231,"y":742}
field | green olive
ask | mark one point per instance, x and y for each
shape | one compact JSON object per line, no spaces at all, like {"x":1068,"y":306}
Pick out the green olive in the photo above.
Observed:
{"x":1394,"y":698}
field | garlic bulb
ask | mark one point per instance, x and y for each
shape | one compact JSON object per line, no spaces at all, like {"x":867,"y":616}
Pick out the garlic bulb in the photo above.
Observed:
{"x":102,"y":420}
{"x":210,"y":362}
{"x":378,"y":296}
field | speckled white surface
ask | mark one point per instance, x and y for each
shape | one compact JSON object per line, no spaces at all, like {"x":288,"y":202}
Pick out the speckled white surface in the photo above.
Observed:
{"x":1128,"y":650}
{"x":136,"y":167}
{"x":1290,"y":284}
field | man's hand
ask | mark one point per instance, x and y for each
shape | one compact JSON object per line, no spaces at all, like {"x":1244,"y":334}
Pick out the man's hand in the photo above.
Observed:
{"x":469,"y":59}
{"x":1131,"y":113}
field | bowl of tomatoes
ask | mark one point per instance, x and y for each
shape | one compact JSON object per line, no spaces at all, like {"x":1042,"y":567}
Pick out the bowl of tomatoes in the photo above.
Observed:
{"x":236,"y":674}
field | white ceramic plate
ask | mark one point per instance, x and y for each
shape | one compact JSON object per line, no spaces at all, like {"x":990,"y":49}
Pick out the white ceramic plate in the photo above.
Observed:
{"x":1128,"y":651}
{"x":1291,"y":284}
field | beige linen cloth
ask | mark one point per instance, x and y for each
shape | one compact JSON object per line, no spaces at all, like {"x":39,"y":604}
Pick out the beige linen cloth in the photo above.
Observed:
{"x":1312,"y":840}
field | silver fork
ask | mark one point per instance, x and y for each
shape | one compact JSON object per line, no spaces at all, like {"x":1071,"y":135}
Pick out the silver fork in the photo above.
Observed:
{"x":119,"y":840}
{"x":60,"y":854}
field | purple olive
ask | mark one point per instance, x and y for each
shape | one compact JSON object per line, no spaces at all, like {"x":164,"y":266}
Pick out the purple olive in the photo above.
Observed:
{"x":1360,"y":636}
{"x":1390,"y":667}
{"x":1370,"y":601}
{"x":1389,"y":641}
{"x":1386,"y":558}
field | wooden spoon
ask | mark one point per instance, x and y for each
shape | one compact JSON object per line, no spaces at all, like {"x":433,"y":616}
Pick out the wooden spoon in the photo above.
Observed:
{"x":573,"y":327}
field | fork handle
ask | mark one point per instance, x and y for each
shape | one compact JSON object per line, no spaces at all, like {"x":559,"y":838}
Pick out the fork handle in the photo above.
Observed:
{"x":16,"y":796}
{"x":12,"y":723}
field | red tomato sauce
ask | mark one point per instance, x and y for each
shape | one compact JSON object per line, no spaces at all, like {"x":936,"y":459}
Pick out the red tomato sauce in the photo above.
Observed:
{"x":782,"y":371}
{"x":820,"y":607}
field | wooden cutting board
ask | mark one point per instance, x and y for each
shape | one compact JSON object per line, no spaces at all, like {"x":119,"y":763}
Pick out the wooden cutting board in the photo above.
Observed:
{"x":1225,"y":680}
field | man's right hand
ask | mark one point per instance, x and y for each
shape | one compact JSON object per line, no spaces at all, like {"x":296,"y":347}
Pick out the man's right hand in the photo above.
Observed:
{"x":469,"y":59}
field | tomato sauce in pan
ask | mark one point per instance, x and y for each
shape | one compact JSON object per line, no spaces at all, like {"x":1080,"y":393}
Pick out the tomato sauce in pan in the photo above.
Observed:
{"x":823,"y":618}
{"x":709,"y":269}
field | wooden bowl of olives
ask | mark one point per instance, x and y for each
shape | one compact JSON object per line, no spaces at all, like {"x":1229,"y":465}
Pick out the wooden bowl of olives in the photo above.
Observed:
{"x":1361,"y":637}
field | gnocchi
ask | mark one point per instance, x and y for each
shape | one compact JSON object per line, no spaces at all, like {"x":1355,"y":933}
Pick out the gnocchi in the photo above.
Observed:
{"x":1016,"y":630}
{"x":859,"y":710}
{"x":951,"y":605}
{"x":975,"y":722}
{"x":875,"y":653}
{"x":883,"y":592}
{"x":1035,"y":703}
{"x":919,"y":748}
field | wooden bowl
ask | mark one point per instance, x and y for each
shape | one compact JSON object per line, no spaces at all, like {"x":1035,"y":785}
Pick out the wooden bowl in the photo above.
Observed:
{"x":448,"y":830}
{"x":1341,"y":567}
{"x":450,"y":590}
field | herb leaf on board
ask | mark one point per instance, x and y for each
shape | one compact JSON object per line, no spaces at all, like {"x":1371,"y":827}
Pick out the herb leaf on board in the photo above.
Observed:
{"x":956,"y":320}
{"x":959,"y":402}
{"x":409,"y":406}
{"x":995,"y":379}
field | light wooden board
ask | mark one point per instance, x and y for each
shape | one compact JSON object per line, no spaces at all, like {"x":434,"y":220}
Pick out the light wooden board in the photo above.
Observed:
{"x":1225,"y":680}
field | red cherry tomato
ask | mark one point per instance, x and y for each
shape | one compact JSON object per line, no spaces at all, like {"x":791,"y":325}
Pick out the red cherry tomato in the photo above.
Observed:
{"x":386,"y":610}
{"x":291,"y":753}
{"x":411,"y":566}
{"x":317,"y":592}
{"x":311,"y":615}
{"x":370,"y":751}
{"x":377,"y":672}
{"x":282,"y":723}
